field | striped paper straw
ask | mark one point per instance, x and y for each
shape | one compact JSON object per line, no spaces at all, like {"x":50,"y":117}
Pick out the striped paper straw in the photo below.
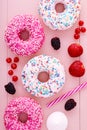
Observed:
{"x":66,"y":95}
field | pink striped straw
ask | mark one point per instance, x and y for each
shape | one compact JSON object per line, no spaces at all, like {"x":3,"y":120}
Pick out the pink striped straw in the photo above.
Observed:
{"x":66,"y":95}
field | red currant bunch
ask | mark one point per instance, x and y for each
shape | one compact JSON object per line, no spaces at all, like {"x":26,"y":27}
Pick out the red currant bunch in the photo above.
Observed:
{"x":13,"y":67}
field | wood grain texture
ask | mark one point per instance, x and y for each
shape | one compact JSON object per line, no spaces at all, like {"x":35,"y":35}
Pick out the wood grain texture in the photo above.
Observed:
{"x":76,"y":117}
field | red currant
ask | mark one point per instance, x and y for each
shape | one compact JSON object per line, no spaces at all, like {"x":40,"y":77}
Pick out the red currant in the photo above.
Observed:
{"x":10,"y":72}
{"x":13,"y":66}
{"x":77,"y":30}
{"x":14,"y":78}
{"x":8,"y":60}
{"x":83,"y":29}
{"x":81,"y":23}
{"x":16,"y":59}
{"x":76,"y":36}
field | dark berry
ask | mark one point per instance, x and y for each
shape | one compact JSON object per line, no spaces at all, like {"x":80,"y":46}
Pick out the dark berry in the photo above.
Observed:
{"x":10,"y":72}
{"x":81,"y":23}
{"x":10,"y":88}
{"x":83,"y":29}
{"x":55,"y":42}
{"x":13,"y":66}
{"x":8,"y":60}
{"x":76,"y":36}
{"x":14,"y":78}
{"x":70,"y":104}
{"x":16,"y":59}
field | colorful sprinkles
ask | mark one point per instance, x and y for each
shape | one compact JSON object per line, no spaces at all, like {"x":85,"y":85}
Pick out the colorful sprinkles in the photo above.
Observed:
{"x":39,"y":64}
{"x":60,"y":21}
{"x":26,"y":107}
{"x":26,"y":46}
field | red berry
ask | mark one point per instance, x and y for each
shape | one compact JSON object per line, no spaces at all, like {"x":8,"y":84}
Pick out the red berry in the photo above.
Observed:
{"x":77,"y":30}
{"x":13,"y":66}
{"x":75,"y":50}
{"x":83,"y":29}
{"x":76,"y":36}
{"x":14,"y":78}
{"x":81,"y":23}
{"x":16,"y":59}
{"x":8,"y":60}
{"x":10,"y":72}
{"x":77,"y":69}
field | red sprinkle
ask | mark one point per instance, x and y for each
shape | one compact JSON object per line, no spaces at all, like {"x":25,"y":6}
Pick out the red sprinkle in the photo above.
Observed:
{"x":16,"y":59}
{"x":81,"y":23}
{"x":77,"y":30}
{"x":14,"y":78}
{"x":76,"y":36}
{"x":83,"y":29}
{"x":10,"y":72}
{"x":13,"y":66}
{"x":8,"y":60}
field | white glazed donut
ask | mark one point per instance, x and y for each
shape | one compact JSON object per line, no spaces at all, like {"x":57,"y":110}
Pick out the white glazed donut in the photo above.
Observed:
{"x":63,"y":20}
{"x":47,"y":64}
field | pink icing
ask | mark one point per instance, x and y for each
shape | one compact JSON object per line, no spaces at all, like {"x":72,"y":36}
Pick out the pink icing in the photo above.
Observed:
{"x":36,"y":35}
{"x":23,"y":105}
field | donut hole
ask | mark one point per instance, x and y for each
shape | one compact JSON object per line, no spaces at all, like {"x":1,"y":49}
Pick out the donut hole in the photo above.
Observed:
{"x":43,"y":76}
{"x":59,"y":7}
{"x":24,"y":35}
{"x":23,"y":117}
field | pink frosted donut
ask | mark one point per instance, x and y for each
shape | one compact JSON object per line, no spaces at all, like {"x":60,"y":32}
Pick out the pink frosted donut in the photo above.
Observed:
{"x":23,"y":114}
{"x":24,"y":35}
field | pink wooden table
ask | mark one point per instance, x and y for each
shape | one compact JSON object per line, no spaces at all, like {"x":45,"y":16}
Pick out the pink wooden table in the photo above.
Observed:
{"x":77,"y":117}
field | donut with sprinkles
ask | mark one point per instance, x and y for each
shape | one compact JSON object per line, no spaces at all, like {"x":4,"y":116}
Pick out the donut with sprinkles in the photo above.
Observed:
{"x":23,"y":114}
{"x":24,"y":35}
{"x":54,"y":71}
{"x":62,"y":19}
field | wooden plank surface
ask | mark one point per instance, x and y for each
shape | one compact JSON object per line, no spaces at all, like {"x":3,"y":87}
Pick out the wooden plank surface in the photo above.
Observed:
{"x":76,"y":117}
